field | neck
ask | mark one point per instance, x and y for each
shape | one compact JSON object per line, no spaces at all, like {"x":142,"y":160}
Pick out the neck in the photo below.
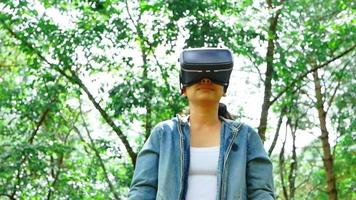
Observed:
{"x":203,"y":114}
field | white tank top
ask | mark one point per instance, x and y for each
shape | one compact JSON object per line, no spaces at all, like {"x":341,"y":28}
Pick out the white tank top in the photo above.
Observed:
{"x":202,"y":183}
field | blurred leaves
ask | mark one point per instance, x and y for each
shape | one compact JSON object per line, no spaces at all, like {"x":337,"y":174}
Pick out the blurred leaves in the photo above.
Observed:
{"x":125,"y":53}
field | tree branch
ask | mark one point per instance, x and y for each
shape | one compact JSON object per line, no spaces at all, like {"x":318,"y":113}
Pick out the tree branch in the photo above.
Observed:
{"x":76,"y":80}
{"x":302,"y":76}
{"x":256,"y":67}
{"x":30,"y":141}
{"x":60,"y":160}
{"x":97,"y":154}
{"x":336,"y":88}
{"x":39,"y":124}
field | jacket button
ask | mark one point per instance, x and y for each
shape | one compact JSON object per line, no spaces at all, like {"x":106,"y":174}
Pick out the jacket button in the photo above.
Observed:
{"x":234,"y":147}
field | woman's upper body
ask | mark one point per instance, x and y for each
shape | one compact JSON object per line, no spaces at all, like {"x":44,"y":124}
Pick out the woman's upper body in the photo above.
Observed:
{"x":244,"y":169}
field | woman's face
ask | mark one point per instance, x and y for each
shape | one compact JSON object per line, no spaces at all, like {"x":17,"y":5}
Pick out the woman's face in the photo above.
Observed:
{"x":204,"y":91}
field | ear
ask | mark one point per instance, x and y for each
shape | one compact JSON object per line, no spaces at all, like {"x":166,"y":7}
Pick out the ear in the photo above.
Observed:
{"x":183,"y":91}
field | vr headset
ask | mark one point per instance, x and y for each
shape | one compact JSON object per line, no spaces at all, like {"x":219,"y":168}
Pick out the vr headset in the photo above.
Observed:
{"x":213,"y":63}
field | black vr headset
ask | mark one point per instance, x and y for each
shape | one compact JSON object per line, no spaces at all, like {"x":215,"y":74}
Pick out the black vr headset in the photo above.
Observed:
{"x":213,"y":63}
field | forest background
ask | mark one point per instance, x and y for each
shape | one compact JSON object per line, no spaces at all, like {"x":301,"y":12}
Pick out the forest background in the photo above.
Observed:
{"x":82,"y":83}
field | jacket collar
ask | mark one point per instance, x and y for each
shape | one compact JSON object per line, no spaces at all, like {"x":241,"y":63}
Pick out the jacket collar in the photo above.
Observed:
{"x":233,"y":125}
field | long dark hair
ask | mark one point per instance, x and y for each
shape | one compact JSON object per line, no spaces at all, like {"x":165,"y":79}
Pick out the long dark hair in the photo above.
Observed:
{"x":223,"y":111}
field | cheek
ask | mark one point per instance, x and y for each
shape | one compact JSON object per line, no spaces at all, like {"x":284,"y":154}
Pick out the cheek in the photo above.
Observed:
{"x":222,"y":94}
{"x":221,"y":90}
{"x":187,"y":92}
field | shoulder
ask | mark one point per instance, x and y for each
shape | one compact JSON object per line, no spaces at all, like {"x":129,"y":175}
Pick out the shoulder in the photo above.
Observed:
{"x":239,"y":125}
{"x":166,"y":126}
{"x":242,"y":128}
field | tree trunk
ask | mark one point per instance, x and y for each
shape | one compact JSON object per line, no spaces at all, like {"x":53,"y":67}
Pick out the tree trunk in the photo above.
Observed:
{"x":282,"y":168}
{"x":293,"y":165}
{"x":20,"y":170}
{"x":276,"y":134}
{"x":144,"y":53}
{"x":59,"y":163}
{"x":273,"y":20}
{"x":147,"y":96}
{"x":327,"y":158}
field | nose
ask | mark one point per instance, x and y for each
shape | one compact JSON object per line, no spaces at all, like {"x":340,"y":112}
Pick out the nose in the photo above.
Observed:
{"x":205,"y":81}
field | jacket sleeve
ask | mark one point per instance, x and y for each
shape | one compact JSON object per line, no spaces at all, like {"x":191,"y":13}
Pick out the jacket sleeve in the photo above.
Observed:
{"x":145,"y":178}
{"x":259,"y":175}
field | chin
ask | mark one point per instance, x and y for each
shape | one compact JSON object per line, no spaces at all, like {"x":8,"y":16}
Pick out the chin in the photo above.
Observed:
{"x":207,"y":99}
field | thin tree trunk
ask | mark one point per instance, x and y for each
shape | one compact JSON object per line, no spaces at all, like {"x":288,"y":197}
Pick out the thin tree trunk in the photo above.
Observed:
{"x":144,"y":51}
{"x":272,"y":36}
{"x":276,"y":134}
{"x":97,"y":154}
{"x":30,"y":141}
{"x":60,"y":161}
{"x":148,"y":122}
{"x":293,"y":165}
{"x":147,"y":96}
{"x":282,"y":167}
{"x":327,"y":157}
{"x":55,"y":175}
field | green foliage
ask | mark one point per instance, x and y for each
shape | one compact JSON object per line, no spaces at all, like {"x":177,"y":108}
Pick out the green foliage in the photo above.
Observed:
{"x":55,"y":54}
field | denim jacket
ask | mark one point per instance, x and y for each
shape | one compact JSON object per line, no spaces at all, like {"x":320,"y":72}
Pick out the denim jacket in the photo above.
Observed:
{"x":244,"y":169}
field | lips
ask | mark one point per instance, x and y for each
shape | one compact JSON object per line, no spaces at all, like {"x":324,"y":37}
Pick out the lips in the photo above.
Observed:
{"x":205,"y":88}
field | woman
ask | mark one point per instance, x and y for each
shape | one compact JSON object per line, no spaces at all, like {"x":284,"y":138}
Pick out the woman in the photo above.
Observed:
{"x":203,"y":156}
